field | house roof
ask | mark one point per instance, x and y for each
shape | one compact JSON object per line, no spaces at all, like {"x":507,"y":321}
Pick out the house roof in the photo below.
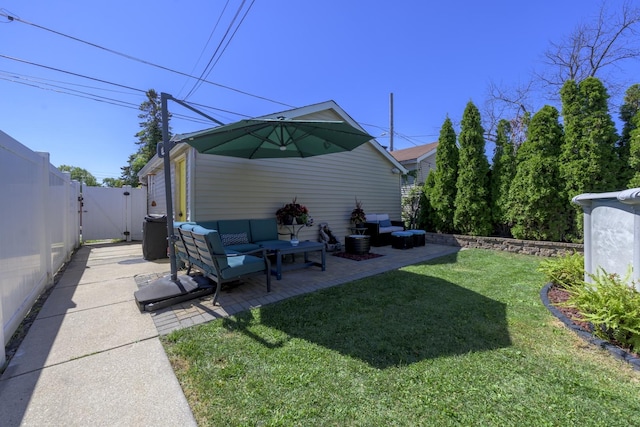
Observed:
{"x":332,"y":106}
{"x":300,"y":113}
{"x":414,"y":153}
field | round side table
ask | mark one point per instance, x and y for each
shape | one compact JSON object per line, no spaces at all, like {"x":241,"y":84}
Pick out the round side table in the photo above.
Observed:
{"x":358,"y":244}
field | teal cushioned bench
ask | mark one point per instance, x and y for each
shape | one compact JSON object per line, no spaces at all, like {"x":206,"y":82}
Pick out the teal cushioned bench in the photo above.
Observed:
{"x":245,"y":235}
{"x":203,"y":250}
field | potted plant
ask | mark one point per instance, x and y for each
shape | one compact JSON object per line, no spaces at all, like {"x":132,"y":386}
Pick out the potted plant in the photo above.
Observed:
{"x":292,"y":212}
{"x":358,"y":217}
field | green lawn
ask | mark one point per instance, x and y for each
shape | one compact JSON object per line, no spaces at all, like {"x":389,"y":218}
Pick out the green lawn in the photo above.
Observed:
{"x":461,"y":340}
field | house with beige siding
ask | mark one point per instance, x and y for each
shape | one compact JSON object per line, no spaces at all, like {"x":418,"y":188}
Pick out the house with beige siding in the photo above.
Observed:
{"x":211,"y":187}
{"x":418,"y":161}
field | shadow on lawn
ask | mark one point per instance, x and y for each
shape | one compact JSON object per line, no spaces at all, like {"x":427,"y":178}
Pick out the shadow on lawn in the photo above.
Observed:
{"x":394,"y":319}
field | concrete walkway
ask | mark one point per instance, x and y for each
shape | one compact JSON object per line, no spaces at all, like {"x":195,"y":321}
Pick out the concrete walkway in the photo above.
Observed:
{"x":92,"y":358}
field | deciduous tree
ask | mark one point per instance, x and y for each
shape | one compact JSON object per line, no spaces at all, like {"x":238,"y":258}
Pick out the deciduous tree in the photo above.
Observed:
{"x":594,"y":47}
{"x":80,"y":174}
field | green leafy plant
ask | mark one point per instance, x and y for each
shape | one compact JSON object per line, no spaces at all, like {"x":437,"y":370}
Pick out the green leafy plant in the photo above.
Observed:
{"x":565,"y":271}
{"x":612,"y":305}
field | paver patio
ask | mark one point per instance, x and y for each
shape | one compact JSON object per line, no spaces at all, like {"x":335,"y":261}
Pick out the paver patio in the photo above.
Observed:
{"x":252,"y":291}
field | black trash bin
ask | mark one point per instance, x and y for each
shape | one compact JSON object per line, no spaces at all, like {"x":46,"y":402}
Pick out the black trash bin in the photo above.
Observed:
{"x":154,"y":237}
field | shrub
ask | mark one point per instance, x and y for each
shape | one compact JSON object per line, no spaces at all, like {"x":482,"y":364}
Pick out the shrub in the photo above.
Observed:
{"x":611,"y":305}
{"x":565,"y":271}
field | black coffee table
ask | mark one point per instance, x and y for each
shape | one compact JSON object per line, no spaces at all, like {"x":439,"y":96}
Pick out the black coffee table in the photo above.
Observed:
{"x":302,"y":247}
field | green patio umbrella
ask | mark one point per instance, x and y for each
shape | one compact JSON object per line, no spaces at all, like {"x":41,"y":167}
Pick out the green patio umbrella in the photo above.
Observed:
{"x":250,"y":139}
{"x":276,"y":138}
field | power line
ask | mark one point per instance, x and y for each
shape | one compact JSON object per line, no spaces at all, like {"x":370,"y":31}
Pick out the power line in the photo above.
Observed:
{"x":215,"y":27}
{"x":23,"y":76}
{"x":33,"y":82}
{"x":79,"y":94}
{"x":13,"y":18}
{"x":24,"y":61}
{"x":207,"y":71}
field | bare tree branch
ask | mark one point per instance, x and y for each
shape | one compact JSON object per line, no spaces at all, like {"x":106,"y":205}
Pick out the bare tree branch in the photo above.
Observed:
{"x":596,"y":48}
{"x":591,"y":48}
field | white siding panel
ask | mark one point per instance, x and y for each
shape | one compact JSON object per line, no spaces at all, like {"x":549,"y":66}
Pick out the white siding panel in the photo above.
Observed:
{"x":425,"y":166}
{"x":227,"y":187}
{"x":156,"y":194}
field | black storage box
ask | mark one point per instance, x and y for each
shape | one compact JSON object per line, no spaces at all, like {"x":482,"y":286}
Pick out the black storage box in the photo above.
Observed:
{"x":154,"y":237}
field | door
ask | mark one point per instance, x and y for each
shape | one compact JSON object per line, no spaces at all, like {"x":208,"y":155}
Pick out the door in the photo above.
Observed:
{"x":181,"y":190}
{"x":113,"y":213}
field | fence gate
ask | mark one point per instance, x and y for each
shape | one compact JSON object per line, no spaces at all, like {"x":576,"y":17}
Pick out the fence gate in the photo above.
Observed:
{"x":113,"y":213}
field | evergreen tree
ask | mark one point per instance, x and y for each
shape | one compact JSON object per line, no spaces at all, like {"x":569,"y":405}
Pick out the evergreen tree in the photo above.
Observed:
{"x":628,"y":111}
{"x":634,"y":152}
{"x":502,"y":173}
{"x":148,"y":137}
{"x":443,"y":194}
{"x":588,"y":160}
{"x":536,"y":209}
{"x":426,"y":217}
{"x":471,"y":214}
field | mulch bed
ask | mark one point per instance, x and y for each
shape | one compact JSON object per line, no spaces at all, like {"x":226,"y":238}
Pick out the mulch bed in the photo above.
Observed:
{"x":574,"y":319}
{"x":357,"y":257}
{"x":558,"y":295}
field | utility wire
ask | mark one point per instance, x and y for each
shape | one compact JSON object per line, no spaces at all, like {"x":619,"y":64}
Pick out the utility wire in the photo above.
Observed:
{"x":24,"y":61}
{"x":77,"y":93}
{"x":13,"y":18}
{"x":215,"y":27}
{"x":33,"y":82}
{"x":198,"y":82}
{"x":26,"y":77}
{"x":207,"y":71}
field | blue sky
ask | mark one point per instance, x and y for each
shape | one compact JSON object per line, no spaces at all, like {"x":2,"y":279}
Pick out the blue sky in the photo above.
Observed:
{"x":433,"y":56}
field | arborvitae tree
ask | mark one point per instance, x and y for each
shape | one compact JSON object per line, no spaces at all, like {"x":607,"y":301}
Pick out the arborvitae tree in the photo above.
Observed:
{"x":426,"y":215}
{"x":502,"y":173}
{"x":634,"y":152}
{"x":443,"y":194}
{"x":600,"y":133}
{"x":536,"y":209}
{"x":148,"y":137}
{"x":628,"y":111}
{"x":472,"y":214}
{"x":588,"y":160}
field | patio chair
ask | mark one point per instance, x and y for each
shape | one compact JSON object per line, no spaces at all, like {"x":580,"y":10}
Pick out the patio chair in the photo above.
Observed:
{"x":207,"y":254}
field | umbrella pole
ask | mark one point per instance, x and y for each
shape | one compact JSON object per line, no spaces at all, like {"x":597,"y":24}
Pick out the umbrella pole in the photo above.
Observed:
{"x":166,"y":151}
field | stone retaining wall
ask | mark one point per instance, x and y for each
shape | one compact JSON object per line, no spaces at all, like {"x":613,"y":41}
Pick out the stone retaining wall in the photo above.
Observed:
{"x":528,"y":247}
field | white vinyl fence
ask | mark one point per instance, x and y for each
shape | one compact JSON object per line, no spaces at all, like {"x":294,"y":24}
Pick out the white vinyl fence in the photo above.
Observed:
{"x":39,"y":209}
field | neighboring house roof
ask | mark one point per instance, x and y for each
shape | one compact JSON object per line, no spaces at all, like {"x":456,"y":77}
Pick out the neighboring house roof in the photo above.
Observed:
{"x":334,"y":112}
{"x":415,"y":154}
